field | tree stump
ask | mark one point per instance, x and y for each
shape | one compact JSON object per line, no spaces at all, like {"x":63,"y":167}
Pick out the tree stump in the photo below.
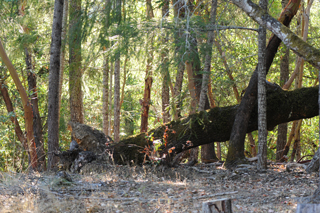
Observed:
{"x":217,"y":206}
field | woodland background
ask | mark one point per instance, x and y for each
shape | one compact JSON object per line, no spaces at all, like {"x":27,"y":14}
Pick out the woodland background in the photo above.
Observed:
{"x":142,"y":40}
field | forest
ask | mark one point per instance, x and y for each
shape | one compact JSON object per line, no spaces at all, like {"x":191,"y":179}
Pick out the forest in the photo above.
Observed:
{"x":178,"y":82}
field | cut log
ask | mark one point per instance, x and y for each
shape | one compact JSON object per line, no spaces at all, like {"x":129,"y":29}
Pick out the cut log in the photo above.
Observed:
{"x":308,"y":208}
{"x":217,"y":206}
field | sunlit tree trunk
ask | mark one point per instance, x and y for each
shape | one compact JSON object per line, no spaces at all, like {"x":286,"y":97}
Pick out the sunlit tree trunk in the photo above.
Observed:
{"x":75,"y":69}
{"x":37,"y":126}
{"x":262,"y":99}
{"x":53,"y":94}
{"x":148,"y":79}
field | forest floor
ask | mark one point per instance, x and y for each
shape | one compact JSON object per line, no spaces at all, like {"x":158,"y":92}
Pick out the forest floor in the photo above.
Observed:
{"x":157,"y":189}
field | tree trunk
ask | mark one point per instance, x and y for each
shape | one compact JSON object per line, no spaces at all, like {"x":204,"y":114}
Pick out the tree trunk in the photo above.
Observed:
{"x":26,"y":107}
{"x":236,"y":144}
{"x":308,"y":52}
{"x":116,"y":109}
{"x":148,"y":79}
{"x":283,"y":128}
{"x":116,"y":128}
{"x":165,"y":68}
{"x":105,"y":97}
{"x":75,"y":70}
{"x":216,"y":124}
{"x":37,"y":126}
{"x":262,"y":105}
{"x":53,"y":94}
{"x":208,"y":150}
{"x":9,"y":106}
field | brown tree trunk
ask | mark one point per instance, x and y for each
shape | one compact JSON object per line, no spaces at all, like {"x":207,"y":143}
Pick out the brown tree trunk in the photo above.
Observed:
{"x":37,"y":125}
{"x":75,"y":69}
{"x":53,"y":94}
{"x":217,"y":125}
{"x":105,"y":97}
{"x":236,"y":144}
{"x":116,"y":122}
{"x":283,"y":128}
{"x":9,"y":106}
{"x":26,"y":107}
{"x":148,"y":79}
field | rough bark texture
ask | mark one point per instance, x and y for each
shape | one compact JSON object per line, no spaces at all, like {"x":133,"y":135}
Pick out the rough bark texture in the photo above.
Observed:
{"x":236,"y":145}
{"x":262,"y":105}
{"x":105,"y":97}
{"x":215,"y":124}
{"x":37,"y":126}
{"x":53,"y":94}
{"x":75,"y":70}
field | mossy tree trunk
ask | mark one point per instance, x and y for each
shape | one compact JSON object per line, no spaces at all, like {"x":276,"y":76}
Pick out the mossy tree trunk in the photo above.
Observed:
{"x":215,"y":125}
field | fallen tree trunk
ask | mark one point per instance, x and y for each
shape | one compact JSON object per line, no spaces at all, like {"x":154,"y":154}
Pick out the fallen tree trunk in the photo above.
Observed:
{"x":215,"y":125}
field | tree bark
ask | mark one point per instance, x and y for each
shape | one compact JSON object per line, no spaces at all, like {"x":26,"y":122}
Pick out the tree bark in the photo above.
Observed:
{"x":216,"y":124}
{"x":236,"y":144}
{"x":290,"y":39}
{"x":262,"y":105}
{"x":75,"y":70}
{"x":37,"y":125}
{"x":208,"y":150}
{"x":148,"y":79}
{"x":53,"y":94}
{"x":26,"y":107}
{"x":116,"y":129}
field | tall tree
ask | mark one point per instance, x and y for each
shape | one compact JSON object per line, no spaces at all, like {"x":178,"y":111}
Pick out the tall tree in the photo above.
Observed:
{"x":106,"y":71}
{"x":148,"y":79}
{"x":75,"y":69}
{"x":284,"y":75}
{"x":236,"y":144}
{"x":207,"y":150}
{"x":117,"y":78}
{"x":37,"y":125}
{"x":165,"y":67}
{"x":53,"y":94}
{"x":262,"y":100}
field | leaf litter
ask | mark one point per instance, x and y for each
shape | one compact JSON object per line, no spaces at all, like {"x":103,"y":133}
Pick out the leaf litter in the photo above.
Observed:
{"x":157,"y":189}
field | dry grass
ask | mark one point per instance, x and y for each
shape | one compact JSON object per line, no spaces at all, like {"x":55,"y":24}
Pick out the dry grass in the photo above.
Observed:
{"x":151,"y":189}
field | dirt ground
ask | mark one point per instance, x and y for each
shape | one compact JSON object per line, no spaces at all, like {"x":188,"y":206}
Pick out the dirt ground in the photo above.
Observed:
{"x":156,"y":189}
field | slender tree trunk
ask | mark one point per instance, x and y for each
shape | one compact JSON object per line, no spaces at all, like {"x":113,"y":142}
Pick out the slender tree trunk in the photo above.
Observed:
{"x":165,"y":68}
{"x":75,"y":70}
{"x":26,"y":107}
{"x":148,"y":78}
{"x":117,"y":99}
{"x":262,"y":99}
{"x":236,"y":144}
{"x":110,"y":130}
{"x":37,"y":126}
{"x":116,"y":121}
{"x":9,"y":106}
{"x":284,"y":75}
{"x":53,"y":94}
{"x":208,"y":150}
{"x":63,"y":48}
{"x":105,"y":97}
